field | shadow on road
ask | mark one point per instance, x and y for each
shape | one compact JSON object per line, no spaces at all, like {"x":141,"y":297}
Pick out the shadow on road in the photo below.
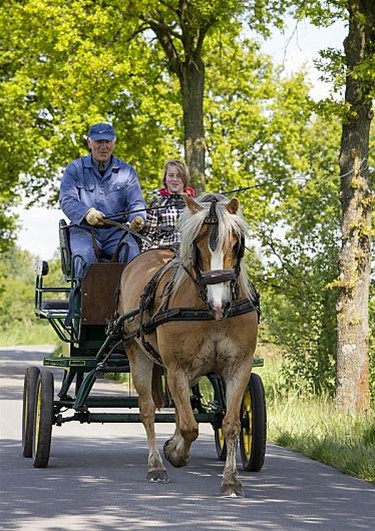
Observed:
{"x":104,"y":481}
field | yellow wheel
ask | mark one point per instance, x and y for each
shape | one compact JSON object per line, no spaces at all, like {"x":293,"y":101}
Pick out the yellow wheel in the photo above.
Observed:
{"x":43,"y":419}
{"x":220,"y":405}
{"x":29,"y":390}
{"x":221,"y":447}
{"x":253,"y":425}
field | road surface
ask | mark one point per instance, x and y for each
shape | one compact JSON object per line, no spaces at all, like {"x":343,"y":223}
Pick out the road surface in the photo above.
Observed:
{"x":96,"y":479}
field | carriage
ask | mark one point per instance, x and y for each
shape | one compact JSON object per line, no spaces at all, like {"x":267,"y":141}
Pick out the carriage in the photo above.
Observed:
{"x":94,"y":345}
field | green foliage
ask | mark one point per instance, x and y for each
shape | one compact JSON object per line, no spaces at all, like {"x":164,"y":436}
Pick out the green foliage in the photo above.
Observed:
{"x":16,"y":291}
{"x":256,"y":125}
{"x":8,"y":224}
{"x":68,"y":64}
{"x":39,"y":333}
{"x":74,"y":64}
{"x":17,"y":282}
{"x":320,"y":12}
{"x":301,"y":249}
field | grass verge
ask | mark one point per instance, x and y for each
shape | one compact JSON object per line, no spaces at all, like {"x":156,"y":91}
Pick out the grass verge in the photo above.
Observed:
{"x":37,"y":334}
{"x":313,"y":426}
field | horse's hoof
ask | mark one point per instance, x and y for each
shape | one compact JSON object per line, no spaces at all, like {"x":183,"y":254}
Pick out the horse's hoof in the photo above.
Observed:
{"x":157,"y":476}
{"x":232,"y":490}
{"x":168,"y":453}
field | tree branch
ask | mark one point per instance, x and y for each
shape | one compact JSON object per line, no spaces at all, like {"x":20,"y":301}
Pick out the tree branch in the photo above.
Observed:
{"x":164,"y":34}
{"x":169,"y":6}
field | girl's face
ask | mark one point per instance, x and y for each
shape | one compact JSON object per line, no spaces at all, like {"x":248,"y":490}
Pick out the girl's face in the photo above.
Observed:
{"x":173,"y":180}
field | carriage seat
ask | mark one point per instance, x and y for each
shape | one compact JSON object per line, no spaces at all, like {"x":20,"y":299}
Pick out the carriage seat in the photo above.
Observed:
{"x":98,"y":294}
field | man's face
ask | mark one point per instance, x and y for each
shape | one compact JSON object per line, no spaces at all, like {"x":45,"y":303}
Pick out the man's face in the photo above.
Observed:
{"x":101,"y":149}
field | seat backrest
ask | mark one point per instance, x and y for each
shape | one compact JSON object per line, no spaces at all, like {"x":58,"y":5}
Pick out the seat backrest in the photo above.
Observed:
{"x":65,"y":252}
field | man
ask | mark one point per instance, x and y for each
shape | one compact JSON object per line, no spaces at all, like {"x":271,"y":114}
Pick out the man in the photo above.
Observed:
{"x":93,"y":187}
{"x":96,"y":186}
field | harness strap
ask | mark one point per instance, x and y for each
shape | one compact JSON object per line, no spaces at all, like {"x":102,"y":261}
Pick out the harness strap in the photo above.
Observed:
{"x":217,"y":275}
{"x":146,"y":303}
{"x":197,"y":314}
{"x":200,"y":288}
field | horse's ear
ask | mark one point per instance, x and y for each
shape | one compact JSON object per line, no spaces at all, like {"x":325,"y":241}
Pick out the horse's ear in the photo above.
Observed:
{"x":233,"y":205}
{"x":192,"y":205}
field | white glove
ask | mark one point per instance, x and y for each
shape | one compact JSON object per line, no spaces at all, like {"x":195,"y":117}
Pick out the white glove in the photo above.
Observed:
{"x":137,"y":224}
{"x":95,"y":217}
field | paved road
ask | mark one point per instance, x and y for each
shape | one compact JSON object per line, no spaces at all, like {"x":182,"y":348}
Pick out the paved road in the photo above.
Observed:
{"x":96,"y":480}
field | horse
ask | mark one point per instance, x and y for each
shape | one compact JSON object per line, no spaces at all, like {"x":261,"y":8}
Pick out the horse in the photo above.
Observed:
{"x":206,"y":284}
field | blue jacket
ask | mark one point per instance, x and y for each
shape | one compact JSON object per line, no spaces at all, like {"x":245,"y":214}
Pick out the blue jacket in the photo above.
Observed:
{"x":82,"y":187}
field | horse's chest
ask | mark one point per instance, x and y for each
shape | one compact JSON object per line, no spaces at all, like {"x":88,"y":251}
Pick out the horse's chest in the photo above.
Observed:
{"x":209,"y":354}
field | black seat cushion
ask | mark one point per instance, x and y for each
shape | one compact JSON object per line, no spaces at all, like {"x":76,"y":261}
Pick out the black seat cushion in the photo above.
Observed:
{"x":55,"y":305}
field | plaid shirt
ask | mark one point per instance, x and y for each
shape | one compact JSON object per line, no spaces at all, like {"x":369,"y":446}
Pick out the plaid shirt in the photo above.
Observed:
{"x":163,"y":218}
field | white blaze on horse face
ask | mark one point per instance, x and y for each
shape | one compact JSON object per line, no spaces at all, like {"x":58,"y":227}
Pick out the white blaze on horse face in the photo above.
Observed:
{"x":218,"y":295}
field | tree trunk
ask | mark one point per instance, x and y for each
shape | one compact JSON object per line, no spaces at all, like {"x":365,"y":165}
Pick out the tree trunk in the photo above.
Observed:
{"x":352,"y":387}
{"x":192,"y":87}
{"x":189,"y":68}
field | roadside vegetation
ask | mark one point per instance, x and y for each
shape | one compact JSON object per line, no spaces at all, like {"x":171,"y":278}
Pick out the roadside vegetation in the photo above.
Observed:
{"x":18,"y":323}
{"x":311,"y":423}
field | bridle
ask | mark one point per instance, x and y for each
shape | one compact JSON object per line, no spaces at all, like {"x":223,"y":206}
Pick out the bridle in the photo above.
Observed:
{"x":217,"y":276}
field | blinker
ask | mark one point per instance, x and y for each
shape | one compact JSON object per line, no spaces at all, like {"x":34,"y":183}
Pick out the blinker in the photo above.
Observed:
{"x":211,"y":219}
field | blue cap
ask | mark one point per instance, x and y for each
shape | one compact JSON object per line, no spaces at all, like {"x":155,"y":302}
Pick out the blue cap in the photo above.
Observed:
{"x":102,"y":132}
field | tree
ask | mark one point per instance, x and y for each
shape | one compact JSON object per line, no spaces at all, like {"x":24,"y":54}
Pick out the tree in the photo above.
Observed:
{"x":183,"y":48}
{"x":68,"y":65}
{"x":356,"y":199}
{"x":182,"y":27}
{"x":352,"y":306}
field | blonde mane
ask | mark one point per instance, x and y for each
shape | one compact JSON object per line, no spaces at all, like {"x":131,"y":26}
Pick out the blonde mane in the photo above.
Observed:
{"x":191,"y":223}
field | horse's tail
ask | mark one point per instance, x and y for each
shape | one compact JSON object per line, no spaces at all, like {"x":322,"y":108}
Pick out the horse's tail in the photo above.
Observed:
{"x":157,"y":386}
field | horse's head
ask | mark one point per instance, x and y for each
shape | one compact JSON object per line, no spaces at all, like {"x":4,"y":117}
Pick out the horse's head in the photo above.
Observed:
{"x":212,"y":232}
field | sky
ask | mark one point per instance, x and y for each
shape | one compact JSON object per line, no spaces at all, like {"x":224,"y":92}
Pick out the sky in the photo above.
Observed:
{"x":297,"y":47}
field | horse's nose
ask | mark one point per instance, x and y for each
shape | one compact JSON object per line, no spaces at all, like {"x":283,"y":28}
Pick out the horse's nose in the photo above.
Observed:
{"x":218,"y":313}
{"x":219,"y":300}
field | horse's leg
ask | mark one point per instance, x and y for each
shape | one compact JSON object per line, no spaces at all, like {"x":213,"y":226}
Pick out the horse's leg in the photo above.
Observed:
{"x":141,"y":370}
{"x":235,"y":388}
{"x":177,"y":449}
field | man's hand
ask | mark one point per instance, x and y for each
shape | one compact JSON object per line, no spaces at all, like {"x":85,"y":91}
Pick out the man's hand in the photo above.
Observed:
{"x":95,"y":217}
{"x":136,"y":224}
